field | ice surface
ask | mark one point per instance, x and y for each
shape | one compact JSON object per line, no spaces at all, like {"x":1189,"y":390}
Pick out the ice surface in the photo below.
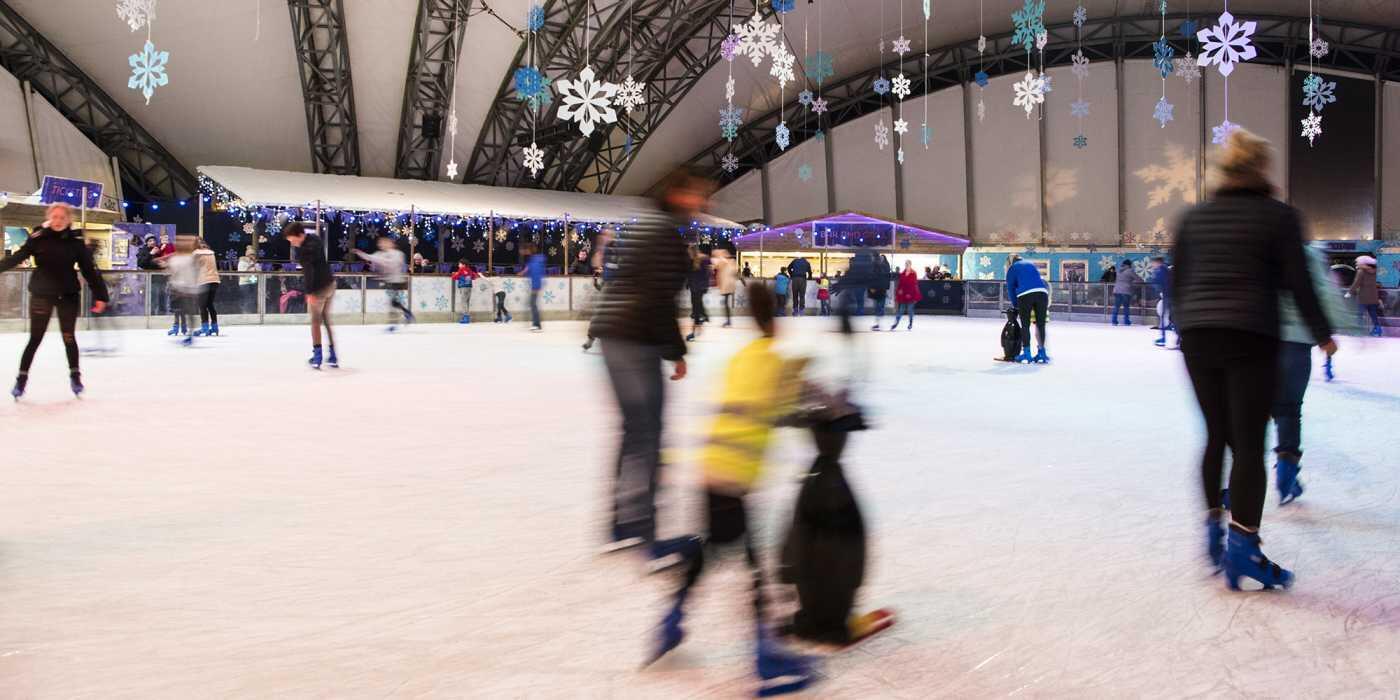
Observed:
{"x":222,"y":521}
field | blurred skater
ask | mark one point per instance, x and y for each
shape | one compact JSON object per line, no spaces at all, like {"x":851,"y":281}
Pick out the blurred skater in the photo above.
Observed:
{"x":534,"y":269}
{"x":319,"y":285}
{"x":906,"y":294}
{"x":759,"y":388}
{"x":1234,"y":254}
{"x":1367,"y":295}
{"x":726,"y":279}
{"x":502,"y":314}
{"x":390,"y":265}
{"x":1028,"y":291}
{"x":465,"y":276}
{"x":699,"y":282}
{"x":1162,"y":284}
{"x":184,"y":286}
{"x":53,"y":287}
{"x":636,"y":320}
{"x":603,"y":266}
{"x":99,"y":322}
{"x":1123,"y":291}
{"x":880,"y":291}
{"x":208,"y":268}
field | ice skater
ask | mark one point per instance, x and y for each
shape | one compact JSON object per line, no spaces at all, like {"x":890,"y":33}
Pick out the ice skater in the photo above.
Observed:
{"x":184,"y":285}
{"x":800,"y":271}
{"x":1366,"y":293}
{"x":1234,"y":254}
{"x":207,"y":266}
{"x":53,"y":287}
{"x":782,"y":285}
{"x":1123,"y":291}
{"x":759,"y":388}
{"x":465,"y":277}
{"x":603,"y":263}
{"x":319,"y":286}
{"x":824,"y":295}
{"x":906,"y":294}
{"x":699,"y":282}
{"x":534,"y":270}
{"x":502,"y":314}
{"x":1161,"y":282}
{"x":726,"y":280}
{"x":1028,"y":291}
{"x":390,"y":265}
{"x":880,"y":291}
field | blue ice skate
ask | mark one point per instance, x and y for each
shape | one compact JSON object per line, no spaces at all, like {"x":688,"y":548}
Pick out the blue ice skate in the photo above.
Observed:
{"x":1215,"y":540}
{"x":331,"y":359}
{"x":1025,"y":356}
{"x":315,"y":361}
{"x":780,"y":671}
{"x":1041,"y":358}
{"x":20,"y":382}
{"x":213,"y":329}
{"x":1327,"y":369}
{"x":174,"y":329}
{"x":1243,"y":559}
{"x":203,"y":330}
{"x":75,"y":382}
{"x":188,"y":341}
{"x":671,"y":635}
{"x":1289,"y":487}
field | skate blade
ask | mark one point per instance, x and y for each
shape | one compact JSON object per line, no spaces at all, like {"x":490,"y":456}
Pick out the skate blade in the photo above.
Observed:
{"x":783,"y":686}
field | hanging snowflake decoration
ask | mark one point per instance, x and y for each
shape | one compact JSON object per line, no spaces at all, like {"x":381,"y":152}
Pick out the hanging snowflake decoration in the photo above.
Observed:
{"x":820,"y":136}
{"x":1029,"y":93}
{"x":730,"y":119}
{"x":1079,"y":65}
{"x":900,"y":157}
{"x":804,"y":172}
{"x":1186,"y":68}
{"x":783,"y":7}
{"x":782,"y":136}
{"x":534,"y":20}
{"x":782,"y":66}
{"x":901,"y":127}
{"x":900,"y":46}
{"x":510,"y":245}
{"x":981,"y":110}
{"x":729,"y":89}
{"x":631,"y":94}
{"x":1081,"y":141}
{"x":729,"y":47}
{"x":1163,"y":112}
{"x":729,"y":163}
{"x":819,"y":105}
{"x":981,"y":78}
{"x":529,"y":82}
{"x":981,"y":44}
{"x":1189,"y":28}
{"x":534,"y":159}
{"x":541,"y":100}
{"x":804,"y":98}
{"x":882,"y":134}
{"x":587,"y":101}
{"x":452,"y":169}
{"x":1162,"y":53}
{"x":900,"y":86}
{"x":1049,"y":86}
{"x":1041,"y":40}
{"x":148,"y":70}
{"x":1318,"y":93}
{"x":819,"y":67}
{"x":881,"y":86}
{"x":1220,"y":133}
{"x":757,"y":39}
{"x":1079,"y":108}
{"x":136,"y":13}
{"x":1318,"y":48}
{"x":1081,"y":16}
{"x":1226,"y":44}
{"x":1029,"y":22}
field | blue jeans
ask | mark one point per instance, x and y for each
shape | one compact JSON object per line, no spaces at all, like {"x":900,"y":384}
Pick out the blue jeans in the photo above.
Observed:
{"x":1373,"y":311}
{"x":1294,"y":371}
{"x":635,"y":371}
{"x":1122,"y":301}
{"x":900,"y":310}
{"x":535,"y":308}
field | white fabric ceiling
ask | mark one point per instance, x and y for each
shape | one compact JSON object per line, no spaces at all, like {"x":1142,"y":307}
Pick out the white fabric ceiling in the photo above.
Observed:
{"x":235,"y":96}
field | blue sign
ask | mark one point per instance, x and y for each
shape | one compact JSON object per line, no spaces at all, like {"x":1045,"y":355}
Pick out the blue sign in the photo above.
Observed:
{"x":60,"y":189}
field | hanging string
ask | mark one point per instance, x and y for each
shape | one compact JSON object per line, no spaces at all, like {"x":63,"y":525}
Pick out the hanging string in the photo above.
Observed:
{"x":258,"y":34}
{"x":924,"y":134}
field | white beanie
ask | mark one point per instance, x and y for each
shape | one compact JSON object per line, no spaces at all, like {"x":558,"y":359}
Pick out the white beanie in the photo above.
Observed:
{"x":1366,"y":260}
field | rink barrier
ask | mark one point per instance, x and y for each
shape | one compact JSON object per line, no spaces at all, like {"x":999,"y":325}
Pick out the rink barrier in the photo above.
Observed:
{"x":141,"y":299}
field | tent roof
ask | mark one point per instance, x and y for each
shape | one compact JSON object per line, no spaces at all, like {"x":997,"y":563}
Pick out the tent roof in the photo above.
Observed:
{"x":289,"y":189}
{"x":831,"y":231}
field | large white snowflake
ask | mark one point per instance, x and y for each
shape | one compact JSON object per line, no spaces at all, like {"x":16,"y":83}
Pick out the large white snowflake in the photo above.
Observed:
{"x":757,"y":39}
{"x":1226,"y":44}
{"x":1029,"y":93}
{"x":631,"y":94}
{"x":587,"y":101}
{"x":136,"y":13}
{"x":882,"y":134}
{"x":900,"y":86}
{"x":148,"y":70}
{"x":1312,"y":127}
{"x":782,"y":66}
{"x":729,"y":163}
{"x":534,"y":159}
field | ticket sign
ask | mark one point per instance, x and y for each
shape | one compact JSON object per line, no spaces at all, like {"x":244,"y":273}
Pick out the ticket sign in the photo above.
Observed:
{"x":60,"y":189}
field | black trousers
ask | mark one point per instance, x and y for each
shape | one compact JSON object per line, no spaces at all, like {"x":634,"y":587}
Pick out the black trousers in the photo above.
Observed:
{"x":697,"y":306}
{"x":728,"y":523}
{"x":207,"y":313}
{"x":41,"y":309}
{"x":1235,"y":375}
{"x":799,"y":295}
{"x":1039,"y":303}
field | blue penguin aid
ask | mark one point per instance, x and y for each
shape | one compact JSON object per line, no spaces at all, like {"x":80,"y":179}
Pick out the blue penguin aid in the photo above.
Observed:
{"x":1010,"y":337}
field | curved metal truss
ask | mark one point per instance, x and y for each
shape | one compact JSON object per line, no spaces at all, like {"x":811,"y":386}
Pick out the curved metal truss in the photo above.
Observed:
{"x":427,"y":96}
{"x":323,"y":59}
{"x":147,"y":169}
{"x":671,"y":44}
{"x":1374,"y":51}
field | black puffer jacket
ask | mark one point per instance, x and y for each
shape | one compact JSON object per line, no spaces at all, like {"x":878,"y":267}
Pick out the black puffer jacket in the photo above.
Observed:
{"x":1233,"y":255}
{"x":639,"y":301}
{"x":315,"y":271}
{"x":55,"y":254}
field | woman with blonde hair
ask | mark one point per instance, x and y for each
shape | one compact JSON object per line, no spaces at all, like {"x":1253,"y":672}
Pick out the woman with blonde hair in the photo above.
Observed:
{"x":1234,"y":254}
{"x":53,"y":286}
{"x":208,"y":267}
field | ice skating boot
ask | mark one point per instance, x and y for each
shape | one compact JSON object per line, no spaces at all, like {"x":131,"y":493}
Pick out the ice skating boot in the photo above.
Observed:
{"x":188,"y":341}
{"x":1289,"y":487}
{"x":668,"y":554}
{"x":213,"y":329}
{"x":174,"y":329}
{"x":465,"y":319}
{"x":1215,"y":539}
{"x":203,"y":330}
{"x":315,"y":361}
{"x":875,"y":327}
{"x":408,"y":318}
{"x":1327,"y":369}
{"x":671,"y":635}
{"x":1040,"y":357}
{"x":332,"y":360}
{"x":910,"y":327}
{"x":895,"y":326}
{"x":75,"y":382}
{"x":1025,"y":356}
{"x":1376,"y":332}
{"x":690,"y":337}
{"x":780,"y":671}
{"x":1243,"y":559}
{"x":1225,"y":499}
{"x":21,"y":381}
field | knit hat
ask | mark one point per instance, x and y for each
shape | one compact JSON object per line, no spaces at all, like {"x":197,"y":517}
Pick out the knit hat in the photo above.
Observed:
{"x":1366,"y":260}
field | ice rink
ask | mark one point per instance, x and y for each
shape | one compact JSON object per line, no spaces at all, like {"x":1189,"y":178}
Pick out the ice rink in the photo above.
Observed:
{"x":223,"y":522}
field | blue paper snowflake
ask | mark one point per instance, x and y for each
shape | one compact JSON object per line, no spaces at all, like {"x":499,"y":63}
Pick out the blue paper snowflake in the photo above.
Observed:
{"x":1318,"y":93}
{"x":820,"y":136}
{"x":783,"y":7}
{"x":881,"y":86}
{"x":1081,"y":141}
{"x":1188,"y":29}
{"x":981,"y":78}
{"x":782,"y":136}
{"x":529,"y":81}
{"x":148,"y":70}
{"x":805,"y":98}
{"x":1079,"y":108}
{"x":804,"y":172}
{"x":1030,"y":22}
{"x":1046,"y":84}
{"x":535,"y":19}
{"x":508,"y":284}
{"x":548,"y":296}
{"x":819,"y":67}
{"x":1162,"y":112}
{"x":730,"y":119}
{"x":1162,"y":53}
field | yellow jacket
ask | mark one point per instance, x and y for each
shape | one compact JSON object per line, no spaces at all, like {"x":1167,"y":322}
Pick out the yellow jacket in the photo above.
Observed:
{"x":760,"y":387}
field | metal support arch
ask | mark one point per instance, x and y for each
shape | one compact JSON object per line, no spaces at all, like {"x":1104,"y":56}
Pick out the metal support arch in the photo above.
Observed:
{"x":147,"y":169}
{"x":323,"y":60}
{"x":427,"y":94}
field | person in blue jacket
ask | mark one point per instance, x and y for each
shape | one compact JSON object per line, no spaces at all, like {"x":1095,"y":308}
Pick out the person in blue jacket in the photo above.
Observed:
{"x":534,"y":267}
{"x":781,"y":285}
{"x":1161,"y":281}
{"x":1028,"y":291}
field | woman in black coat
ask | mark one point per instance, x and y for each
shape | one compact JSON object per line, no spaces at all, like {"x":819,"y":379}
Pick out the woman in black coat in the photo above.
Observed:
{"x":53,"y":286}
{"x":1234,"y":254}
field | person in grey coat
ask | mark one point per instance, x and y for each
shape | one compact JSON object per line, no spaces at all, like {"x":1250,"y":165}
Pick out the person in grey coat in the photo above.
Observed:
{"x":1123,"y":291}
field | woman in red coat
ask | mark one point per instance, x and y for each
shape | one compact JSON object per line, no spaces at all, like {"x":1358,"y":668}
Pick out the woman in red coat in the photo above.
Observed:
{"x":906,"y":294}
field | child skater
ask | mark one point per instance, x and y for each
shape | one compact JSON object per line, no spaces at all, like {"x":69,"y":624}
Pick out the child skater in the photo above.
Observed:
{"x":758,"y":389}
{"x":465,"y":276}
{"x":824,"y":294}
{"x":184,"y":285}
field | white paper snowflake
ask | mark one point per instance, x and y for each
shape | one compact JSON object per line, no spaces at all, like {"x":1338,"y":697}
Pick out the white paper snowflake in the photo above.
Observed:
{"x":901,"y":127}
{"x":757,"y":39}
{"x":1226,"y":44}
{"x":981,"y":110}
{"x":1187,"y":69}
{"x":1029,"y":93}
{"x":1041,"y":40}
{"x":981,"y":44}
{"x":729,"y":163}
{"x":452,"y":168}
{"x":587,"y":101}
{"x":1080,"y":62}
{"x":1079,"y":108}
{"x":729,"y":89}
{"x":534,"y":159}
{"x":900,"y":46}
{"x":900,"y":86}
{"x":249,"y":228}
{"x":631,"y":94}
{"x":136,"y":13}
{"x":148,"y":70}
{"x":1162,"y":112}
{"x":782,"y":136}
{"x":1312,"y":127}
{"x":1222,"y":132}
{"x":1318,"y":48}
{"x":1081,"y":16}
{"x":900,"y":156}
{"x":882,"y":134}
{"x":819,"y":105}
{"x":782,"y":66}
